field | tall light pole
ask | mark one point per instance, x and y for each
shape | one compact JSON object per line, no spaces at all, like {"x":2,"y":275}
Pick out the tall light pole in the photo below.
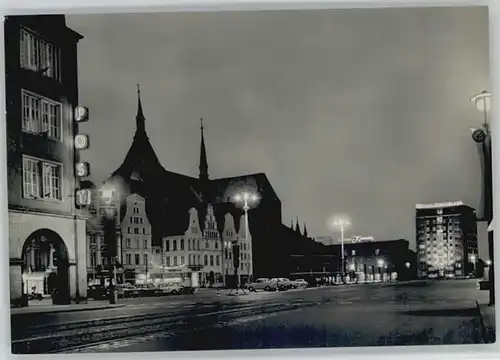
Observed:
{"x":482,"y":136}
{"x":341,"y":224}
{"x":110,"y":240}
{"x":247,"y":199}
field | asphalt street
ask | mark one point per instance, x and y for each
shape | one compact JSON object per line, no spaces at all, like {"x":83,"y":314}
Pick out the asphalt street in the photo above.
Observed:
{"x":419,"y":313}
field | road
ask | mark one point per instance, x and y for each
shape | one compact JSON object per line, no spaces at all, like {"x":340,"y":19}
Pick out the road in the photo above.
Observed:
{"x":421,"y":313}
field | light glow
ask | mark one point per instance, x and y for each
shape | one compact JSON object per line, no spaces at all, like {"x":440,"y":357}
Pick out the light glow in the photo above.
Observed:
{"x":482,"y":101}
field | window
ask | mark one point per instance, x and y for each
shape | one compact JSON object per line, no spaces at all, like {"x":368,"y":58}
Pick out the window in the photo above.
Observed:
{"x":182,"y":260}
{"x":127,"y":242}
{"x":199,"y":259}
{"x":182,"y":244}
{"x":145,"y":244}
{"x":189,"y":244}
{"x":189,"y":259}
{"x":145,"y":259}
{"x":39,"y":55}
{"x":167,"y":245}
{"x":168,"y":260}
{"x":41,"y":115}
{"x":128,"y":259}
{"x":216,"y":244}
{"x":353,"y":252}
{"x":39,"y":175}
{"x":217,"y":262}
{"x":206,"y":260}
{"x":206,"y":244}
{"x":137,"y":259}
{"x":211,"y":260}
{"x":175,"y":260}
{"x":198,"y":245}
{"x":136,"y":230}
{"x":93,"y":259}
{"x":51,"y":181}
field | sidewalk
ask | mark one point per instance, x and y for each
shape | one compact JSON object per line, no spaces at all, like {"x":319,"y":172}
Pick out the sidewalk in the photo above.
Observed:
{"x":487,"y":317}
{"x":47,"y":307}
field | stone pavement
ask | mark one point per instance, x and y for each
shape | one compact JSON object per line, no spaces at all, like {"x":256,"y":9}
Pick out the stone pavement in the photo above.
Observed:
{"x":47,"y":307}
{"x":487,"y":316}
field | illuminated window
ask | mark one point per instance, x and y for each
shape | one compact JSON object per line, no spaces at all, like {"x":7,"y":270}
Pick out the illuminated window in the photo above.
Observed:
{"x":39,"y":55}
{"x":41,"y":115}
{"x":39,"y":175}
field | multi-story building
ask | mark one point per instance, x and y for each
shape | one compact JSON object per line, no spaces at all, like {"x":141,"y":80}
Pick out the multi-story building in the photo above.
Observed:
{"x":446,"y":236}
{"x":135,"y":247}
{"x":47,"y":249}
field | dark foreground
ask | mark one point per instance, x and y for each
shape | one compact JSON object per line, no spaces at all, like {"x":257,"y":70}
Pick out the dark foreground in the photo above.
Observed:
{"x":422,"y":313}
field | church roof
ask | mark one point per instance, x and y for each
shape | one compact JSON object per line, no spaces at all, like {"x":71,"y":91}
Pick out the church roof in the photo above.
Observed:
{"x":170,"y":196}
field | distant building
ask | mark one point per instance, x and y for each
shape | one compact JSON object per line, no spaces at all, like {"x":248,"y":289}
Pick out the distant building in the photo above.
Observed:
{"x":46,"y":232}
{"x":446,"y":236}
{"x":378,"y":260}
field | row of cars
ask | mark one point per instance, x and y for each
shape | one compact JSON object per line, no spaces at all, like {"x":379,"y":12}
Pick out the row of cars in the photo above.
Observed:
{"x":275,"y":284}
{"x":99,"y":292}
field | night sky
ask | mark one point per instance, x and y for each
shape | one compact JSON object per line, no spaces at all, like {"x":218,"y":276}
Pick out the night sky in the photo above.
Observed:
{"x":359,"y":112}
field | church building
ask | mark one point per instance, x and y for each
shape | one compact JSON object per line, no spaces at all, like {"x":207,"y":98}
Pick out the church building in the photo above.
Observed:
{"x":196,"y":220}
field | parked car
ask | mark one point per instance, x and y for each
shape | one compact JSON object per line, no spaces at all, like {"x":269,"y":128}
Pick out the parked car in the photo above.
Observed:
{"x":147,"y":290}
{"x":300,"y":283}
{"x":168,"y":289}
{"x":186,"y":290}
{"x":281,"y":284}
{"x":97,"y":292}
{"x":259,"y":284}
{"x":127,"y":291}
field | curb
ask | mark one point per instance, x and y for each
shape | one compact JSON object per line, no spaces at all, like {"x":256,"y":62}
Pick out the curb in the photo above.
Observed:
{"x":55,"y":311}
{"x":487,"y":336}
{"x":481,"y":322}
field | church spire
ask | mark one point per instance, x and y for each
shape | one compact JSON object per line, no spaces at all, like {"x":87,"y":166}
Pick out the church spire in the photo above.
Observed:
{"x":139,"y":118}
{"x":305,"y":230}
{"x":203,"y":157}
{"x":297,"y":226}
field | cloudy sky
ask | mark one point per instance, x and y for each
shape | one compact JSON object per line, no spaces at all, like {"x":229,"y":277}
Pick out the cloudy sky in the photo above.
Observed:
{"x":358,"y":112}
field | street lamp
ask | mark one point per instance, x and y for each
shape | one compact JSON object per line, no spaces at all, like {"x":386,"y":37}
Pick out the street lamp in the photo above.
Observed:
{"x":341,"y":224}
{"x":247,"y":199}
{"x":488,"y":262}
{"x":483,"y":136}
{"x":110,"y":239}
{"x":407,"y":264}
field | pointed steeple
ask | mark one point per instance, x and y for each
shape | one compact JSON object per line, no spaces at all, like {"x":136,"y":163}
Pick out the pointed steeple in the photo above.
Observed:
{"x":139,"y":118}
{"x":203,"y":157}
{"x":305,"y":230}
{"x":297,"y":226}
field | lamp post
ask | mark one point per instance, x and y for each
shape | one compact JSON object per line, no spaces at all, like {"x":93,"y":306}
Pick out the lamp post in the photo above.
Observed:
{"x":473,"y":260}
{"x":110,"y":240}
{"x":380,"y":264}
{"x":247,"y":199}
{"x":482,"y":136}
{"x":341,"y":224}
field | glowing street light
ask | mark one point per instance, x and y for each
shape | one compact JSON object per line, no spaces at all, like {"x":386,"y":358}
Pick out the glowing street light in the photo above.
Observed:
{"x":380,"y":263}
{"x":248,"y":199}
{"x":407,"y":264}
{"x":341,"y":224}
{"x":483,"y":136}
{"x":488,"y":262}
